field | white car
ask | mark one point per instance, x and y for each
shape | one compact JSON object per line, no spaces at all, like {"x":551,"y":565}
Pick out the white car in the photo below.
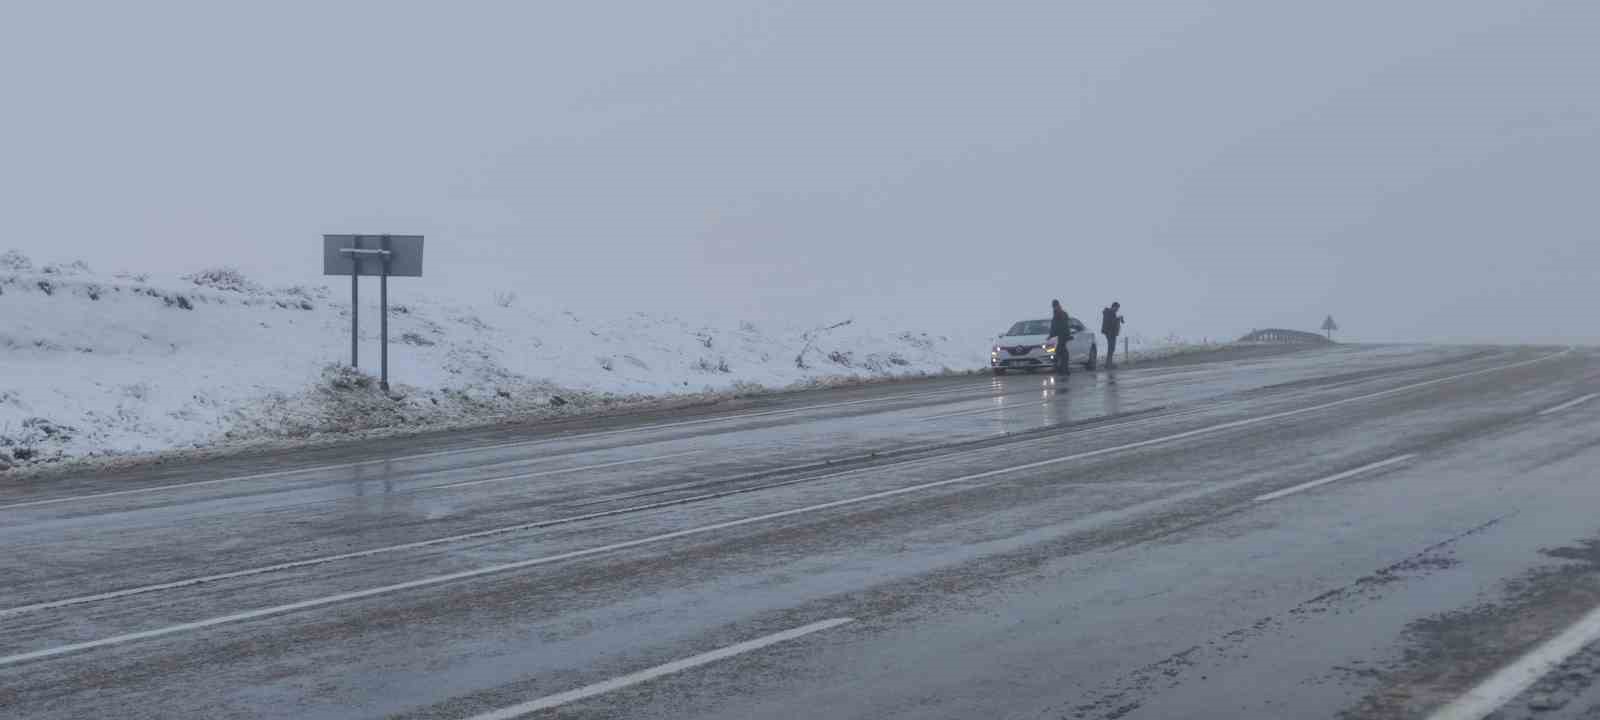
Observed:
{"x":1028,"y":346}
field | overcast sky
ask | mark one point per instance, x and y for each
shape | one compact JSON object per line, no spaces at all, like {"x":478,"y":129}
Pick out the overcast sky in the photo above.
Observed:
{"x":1423,"y":170}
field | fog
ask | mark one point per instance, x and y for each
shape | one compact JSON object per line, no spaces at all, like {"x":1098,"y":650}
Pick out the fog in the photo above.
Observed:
{"x":1421,"y":171}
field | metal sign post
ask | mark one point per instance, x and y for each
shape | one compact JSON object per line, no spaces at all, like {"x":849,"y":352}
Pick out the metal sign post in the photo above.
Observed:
{"x":383,"y":322}
{"x":398,"y":255}
{"x":355,"y":323}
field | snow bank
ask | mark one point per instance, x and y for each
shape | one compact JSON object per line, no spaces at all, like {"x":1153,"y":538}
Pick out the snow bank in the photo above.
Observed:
{"x":118,"y":364}
{"x":1143,"y":349}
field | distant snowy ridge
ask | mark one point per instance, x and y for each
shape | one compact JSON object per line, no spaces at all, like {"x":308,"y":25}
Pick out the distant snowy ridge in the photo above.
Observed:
{"x":116,"y":364}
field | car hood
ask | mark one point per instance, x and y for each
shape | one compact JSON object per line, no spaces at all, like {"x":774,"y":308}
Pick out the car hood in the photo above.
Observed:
{"x":1015,"y":340}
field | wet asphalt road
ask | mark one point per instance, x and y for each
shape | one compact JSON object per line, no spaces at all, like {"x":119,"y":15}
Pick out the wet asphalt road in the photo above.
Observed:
{"x":1348,"y":532}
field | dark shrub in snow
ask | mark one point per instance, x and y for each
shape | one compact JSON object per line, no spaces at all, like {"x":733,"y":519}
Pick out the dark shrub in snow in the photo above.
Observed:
{"x":223,"y":278}
{"x":76,"y":267}
{"x":344,"y":377}
{"x":15,"y":261}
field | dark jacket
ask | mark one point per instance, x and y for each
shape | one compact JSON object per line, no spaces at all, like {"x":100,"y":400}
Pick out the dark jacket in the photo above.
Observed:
{"x":1110,"y":322}
{"x":1060,"y":325}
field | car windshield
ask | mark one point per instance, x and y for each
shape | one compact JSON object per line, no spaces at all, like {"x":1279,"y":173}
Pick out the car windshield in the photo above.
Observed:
{"x":1029,"y":327}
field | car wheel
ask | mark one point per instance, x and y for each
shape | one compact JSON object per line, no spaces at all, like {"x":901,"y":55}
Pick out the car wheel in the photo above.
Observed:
{"x":1094,"y":357}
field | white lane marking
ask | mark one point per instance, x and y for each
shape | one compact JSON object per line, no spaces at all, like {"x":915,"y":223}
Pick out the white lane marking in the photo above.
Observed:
{"x":264,"y":476}
{"x":1334,"y":478}
{"x":647,"y":675}
{"x":743,"y":416}
{"x":1397,"y":373}
{"x":158,"y":488}
{"x":1517,"y":677}
{"x":537,"y":525}
{"x":1569,"y":404}
{"x":476,"y":468}
{"x":664,"y":489}
{"x":503,"y":530}
{"x":1034,"y":405}
{"x":481,"y":448}
{"x":1031,"y":392}
{"x":998,"y":408}
{"x":575,"y":554}
{"x":1084,"y":433}
{"x":563,"y":471}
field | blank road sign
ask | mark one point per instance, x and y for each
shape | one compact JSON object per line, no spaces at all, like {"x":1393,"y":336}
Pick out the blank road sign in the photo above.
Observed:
{"x":405,"y":259}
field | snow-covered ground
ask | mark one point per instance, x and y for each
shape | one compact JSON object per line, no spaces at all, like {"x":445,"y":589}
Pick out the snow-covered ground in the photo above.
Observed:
{"x":99,"y":365}
{"x":113,"y":364}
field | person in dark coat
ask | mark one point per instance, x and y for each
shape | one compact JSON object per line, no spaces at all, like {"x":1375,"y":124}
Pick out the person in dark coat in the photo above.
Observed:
{"x":1061,"y":330}
{"x":1111,"y":326}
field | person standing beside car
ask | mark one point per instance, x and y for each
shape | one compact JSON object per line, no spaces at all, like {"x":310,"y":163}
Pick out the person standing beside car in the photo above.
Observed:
{"x":1111,"y":326}
{"x":1061,"y":330}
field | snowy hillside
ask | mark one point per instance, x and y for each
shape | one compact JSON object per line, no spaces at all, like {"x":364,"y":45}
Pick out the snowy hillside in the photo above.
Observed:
{"x":107,"y":364}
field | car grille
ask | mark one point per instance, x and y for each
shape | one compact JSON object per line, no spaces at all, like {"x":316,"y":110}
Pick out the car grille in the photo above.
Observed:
{"x":1020,"y":349}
